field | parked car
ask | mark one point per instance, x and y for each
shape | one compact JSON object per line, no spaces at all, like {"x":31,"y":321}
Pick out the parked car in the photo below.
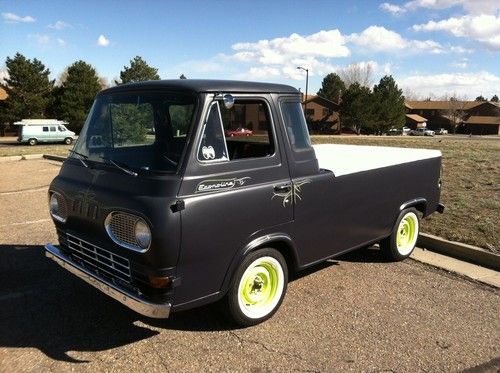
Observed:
{"x":33,"y":131}
{"x":394,"y":132}
{"x":179,"y":222}
{"x":421,"y":132}
{"x":406,"y":131}
{"x":442,"y":131}
{"x":240,"y":131}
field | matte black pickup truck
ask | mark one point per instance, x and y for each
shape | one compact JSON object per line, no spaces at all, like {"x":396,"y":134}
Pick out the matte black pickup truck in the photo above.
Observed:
{"x":185,"y":192}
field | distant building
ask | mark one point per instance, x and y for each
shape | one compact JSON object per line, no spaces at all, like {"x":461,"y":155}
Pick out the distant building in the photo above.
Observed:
{"x":475,"y":117}
{"x":322,"y":115}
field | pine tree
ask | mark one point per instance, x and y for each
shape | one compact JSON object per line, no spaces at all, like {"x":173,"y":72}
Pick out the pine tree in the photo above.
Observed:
{"x":389,"y":105}
{"x":480,"y":98}
{"x":357,"y":108}
{"x":77,"y":94}
{"x":28,"y":88}
{"x":138,"y":71}
{"x":332,"y":87}
{"x":494,"y":98}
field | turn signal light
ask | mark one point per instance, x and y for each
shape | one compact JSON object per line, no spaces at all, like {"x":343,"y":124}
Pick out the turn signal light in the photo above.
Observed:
{"x":159,"y":282}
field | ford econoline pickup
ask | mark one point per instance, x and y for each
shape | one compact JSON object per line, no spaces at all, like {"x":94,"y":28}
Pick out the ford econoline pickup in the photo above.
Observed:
{"x":160,"y":208}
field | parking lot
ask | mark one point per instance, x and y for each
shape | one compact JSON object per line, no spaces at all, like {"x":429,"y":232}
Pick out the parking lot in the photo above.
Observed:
{"x":355,"y":313}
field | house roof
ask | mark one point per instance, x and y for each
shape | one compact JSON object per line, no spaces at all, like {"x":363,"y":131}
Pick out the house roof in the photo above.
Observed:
{"x":322,"y":101}
{"x":440,"y":105}
{"x":206,"y":85}
{"x":480,"y":119}
{"x":3,"y":94}
{"x":417,"y":118}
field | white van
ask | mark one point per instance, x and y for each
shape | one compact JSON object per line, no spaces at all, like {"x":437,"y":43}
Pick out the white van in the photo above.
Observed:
{"x":33,"y":131}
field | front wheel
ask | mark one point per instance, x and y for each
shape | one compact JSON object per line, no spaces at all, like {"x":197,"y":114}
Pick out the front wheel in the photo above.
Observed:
{"x":258,"y":287}
{"x":32,"y":142}
{"x":68,"y":140}
{"x":400,"y":244}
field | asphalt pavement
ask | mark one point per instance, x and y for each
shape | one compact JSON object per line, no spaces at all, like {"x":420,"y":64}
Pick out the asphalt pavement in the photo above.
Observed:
{"x":355,"y":313}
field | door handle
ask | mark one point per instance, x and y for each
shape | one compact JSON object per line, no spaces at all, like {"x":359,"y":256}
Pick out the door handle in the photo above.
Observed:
{"x":283,"y":188}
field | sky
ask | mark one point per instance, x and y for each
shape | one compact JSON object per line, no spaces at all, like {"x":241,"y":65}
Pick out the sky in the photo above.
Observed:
{"x":432,"y":48}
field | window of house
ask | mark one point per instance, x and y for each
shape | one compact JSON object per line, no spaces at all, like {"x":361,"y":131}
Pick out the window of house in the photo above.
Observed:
{"x":295,"y":125}
{"x":310,"y":112}
{"x":326,"y":112}
{"x":244,"y":131}
{"x":45,"y":129}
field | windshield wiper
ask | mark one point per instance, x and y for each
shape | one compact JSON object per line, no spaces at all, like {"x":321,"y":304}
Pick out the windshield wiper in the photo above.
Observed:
{"x":130,"y":172}
{"x":81,"y":156}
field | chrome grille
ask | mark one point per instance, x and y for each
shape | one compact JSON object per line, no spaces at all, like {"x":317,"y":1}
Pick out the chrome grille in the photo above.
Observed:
{"x":122,"y":226}
{"x":99,"y":259}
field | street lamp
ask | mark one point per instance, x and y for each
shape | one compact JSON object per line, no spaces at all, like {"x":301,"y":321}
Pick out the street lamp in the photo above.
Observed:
{"x":307,"y":83}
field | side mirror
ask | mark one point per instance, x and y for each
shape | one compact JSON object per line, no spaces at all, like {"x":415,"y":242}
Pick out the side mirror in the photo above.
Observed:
{"x":228,"y":101}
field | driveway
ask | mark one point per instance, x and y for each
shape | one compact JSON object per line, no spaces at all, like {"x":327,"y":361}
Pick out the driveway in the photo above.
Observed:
{"x":357,"y":313}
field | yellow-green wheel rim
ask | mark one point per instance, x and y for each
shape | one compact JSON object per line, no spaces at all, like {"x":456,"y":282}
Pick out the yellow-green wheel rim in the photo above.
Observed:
{"x":407,"y":233}
{"x":260,"y":287}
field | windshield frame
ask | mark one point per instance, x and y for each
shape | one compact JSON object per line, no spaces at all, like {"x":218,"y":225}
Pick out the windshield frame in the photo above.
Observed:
{"x":105,"y":158}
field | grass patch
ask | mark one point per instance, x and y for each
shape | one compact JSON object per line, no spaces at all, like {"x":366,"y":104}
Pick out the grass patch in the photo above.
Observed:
{"x":471,"y":179}
{"x":21,"y":149}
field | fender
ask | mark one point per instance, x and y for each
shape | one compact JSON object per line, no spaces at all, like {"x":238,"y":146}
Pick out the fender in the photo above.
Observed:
{"x":419,"y":203}
{"x":269,"y":239}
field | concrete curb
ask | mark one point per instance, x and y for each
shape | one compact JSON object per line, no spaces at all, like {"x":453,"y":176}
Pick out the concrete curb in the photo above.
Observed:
{"x":58,"y":158}
{"x":469,"y":253}
{"x":14,"y":158}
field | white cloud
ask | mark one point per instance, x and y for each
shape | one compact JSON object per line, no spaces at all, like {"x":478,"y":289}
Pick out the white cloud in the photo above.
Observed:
{"x":59,"y":25}
{"x":40,"y":38}
{"x":61,"y":42}
{"x":14,"y":18}
{"x":463,"y":84}
{"x":470,"y":6}
{"x":379,"y":39}
{"x":4,"y":74}
{"x":483,"y":28}
{"x":102,"y":41}
{"x":392,"y":8}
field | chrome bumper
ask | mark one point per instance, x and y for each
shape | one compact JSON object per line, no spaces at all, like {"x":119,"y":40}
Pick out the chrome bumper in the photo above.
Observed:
{"x":132,"y":301}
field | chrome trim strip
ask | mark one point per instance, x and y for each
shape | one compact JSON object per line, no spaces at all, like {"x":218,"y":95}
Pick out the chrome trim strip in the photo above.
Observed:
{"x":132,"y":301}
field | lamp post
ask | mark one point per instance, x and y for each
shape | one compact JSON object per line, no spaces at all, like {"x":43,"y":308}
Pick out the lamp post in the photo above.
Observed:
{"x":307,"y":83}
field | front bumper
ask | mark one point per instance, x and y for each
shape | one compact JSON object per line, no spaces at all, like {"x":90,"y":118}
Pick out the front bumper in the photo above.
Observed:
{"x":132,"y":301}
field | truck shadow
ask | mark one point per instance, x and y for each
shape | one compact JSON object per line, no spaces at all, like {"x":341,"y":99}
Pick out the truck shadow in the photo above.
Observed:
{"x":43,"y":306}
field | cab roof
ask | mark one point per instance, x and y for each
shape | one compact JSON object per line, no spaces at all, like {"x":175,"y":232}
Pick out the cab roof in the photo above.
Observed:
{"x":206,"y":85}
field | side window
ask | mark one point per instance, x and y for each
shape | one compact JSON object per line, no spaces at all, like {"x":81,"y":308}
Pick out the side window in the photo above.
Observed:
{"x":52,"y":129}
{"x":45,"y":129}
{"x":245,"y":132}
{"x":295,"y":125}
{"x":213,"y":145}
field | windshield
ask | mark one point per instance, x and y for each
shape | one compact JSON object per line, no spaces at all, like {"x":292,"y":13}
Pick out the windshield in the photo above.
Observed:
{"x":137,"y":130}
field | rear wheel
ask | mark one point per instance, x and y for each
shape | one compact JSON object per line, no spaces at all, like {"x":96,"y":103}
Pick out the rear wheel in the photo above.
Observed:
{"x":258,"y":287}
{"x":68,"y":140}
{"x":400,"y":244}
{"x":32,"y":142}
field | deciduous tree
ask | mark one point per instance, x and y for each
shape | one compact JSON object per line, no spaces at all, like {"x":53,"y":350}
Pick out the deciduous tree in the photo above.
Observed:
{"x":138,"y":71}
{"x":361,"y":73}
{"x":28,"y":88}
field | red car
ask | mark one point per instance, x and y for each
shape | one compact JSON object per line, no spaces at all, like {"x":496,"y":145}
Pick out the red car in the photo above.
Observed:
{"x":240,"y":131}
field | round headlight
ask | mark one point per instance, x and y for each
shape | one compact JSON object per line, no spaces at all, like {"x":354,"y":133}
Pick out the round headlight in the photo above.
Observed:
{"x":54,"y":205}
{"x":142,"y":234}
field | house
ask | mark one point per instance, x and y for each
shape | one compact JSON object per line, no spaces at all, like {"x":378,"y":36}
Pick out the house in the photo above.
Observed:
{"x":322,"y":115}
{"x":473,"y":117}
{"x":415,"y":121}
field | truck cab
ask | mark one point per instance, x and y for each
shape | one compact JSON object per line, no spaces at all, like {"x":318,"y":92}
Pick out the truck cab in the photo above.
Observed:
{"x":159,"y":207}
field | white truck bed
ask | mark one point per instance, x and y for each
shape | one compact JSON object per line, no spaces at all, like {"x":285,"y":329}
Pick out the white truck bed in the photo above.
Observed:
{"x":350,"y":159}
